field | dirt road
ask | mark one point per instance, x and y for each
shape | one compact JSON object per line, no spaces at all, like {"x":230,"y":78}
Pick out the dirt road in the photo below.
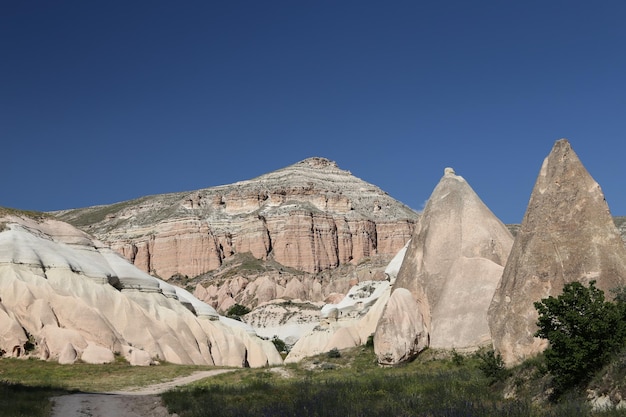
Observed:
{"x":141,"y":402}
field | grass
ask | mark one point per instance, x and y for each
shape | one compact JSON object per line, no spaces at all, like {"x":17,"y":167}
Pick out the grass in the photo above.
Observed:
{"x":434,"y":385}
{"x":37,"y":215}
{"x":17,"y":400}
{"x":27,"y":385}
{"x":89,"y":378}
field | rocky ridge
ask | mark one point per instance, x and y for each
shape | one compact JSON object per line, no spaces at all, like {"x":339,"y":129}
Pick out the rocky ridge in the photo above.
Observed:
{"x":311,"y":216}
{"x":65,"y":296}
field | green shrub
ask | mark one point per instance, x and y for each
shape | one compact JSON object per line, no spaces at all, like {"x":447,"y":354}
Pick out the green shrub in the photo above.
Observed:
{"x":280,"y":345}
{"x":457,"y":358}
{"x":334,"y":353}
{"x":236,"y":311}
{"x":492,"y":365}
{"x":584,"y":332}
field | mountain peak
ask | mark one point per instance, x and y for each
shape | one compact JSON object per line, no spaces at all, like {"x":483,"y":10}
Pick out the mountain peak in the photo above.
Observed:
{"x":318,"y":162}
{"x":311,"y":216}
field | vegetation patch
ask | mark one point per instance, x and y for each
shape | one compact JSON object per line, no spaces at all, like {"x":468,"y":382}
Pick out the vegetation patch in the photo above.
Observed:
{"x":18,"y":400}
{"x":27,"y":385}
{"x":37,"y":215}
{"x":585,"y":332}
{"x":436,"y":384}
{"x":237,"y":311}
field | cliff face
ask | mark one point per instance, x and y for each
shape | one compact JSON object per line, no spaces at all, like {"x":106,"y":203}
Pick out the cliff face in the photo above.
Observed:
{"x":310,"y":216}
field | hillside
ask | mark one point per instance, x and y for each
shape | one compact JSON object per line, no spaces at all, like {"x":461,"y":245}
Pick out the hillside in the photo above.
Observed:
{"x":310,"y":216}
{"x":66,"y":297}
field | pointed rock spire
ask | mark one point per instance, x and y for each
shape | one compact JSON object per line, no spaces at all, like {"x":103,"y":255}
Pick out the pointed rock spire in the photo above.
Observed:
{"x":567,"y":235}
{"x":453,"y":265}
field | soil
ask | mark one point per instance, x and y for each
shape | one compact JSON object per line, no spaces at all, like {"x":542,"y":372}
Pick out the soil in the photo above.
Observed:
{"x":133,"y":402}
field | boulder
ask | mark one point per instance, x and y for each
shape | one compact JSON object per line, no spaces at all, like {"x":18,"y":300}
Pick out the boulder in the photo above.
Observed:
{"x":567,"y":235}
{"x":95,"y":354}
{"x":68,"y":355}
{"x":400,"y":334}
{"x":136,"y":357}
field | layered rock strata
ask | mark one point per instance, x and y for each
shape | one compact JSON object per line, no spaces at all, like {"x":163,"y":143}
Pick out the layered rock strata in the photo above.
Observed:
{"x":567,"y":235}
{"x":64,"y":296}
{"x":310,"y":216}
{"x":451,"y":269}
{"x":350,"y":321}
{"x":252,"y":283}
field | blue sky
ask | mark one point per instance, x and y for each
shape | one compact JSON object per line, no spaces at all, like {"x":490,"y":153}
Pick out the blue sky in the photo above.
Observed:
{"x":104,"y":101}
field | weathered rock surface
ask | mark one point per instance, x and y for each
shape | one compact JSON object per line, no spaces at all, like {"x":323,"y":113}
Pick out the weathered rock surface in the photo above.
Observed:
{"x":567,"y":235}
{"x":252,"y":282}
{"x":72,"y":298}
{"x":288,"y":320}
{"x":400,"y":334}
{"x":310,"y":216}
{"x":346,"y":324}
{"x":451,"y":269}
{"x":349,"y":322}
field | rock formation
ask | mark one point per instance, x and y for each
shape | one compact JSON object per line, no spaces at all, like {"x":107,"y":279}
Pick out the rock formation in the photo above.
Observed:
{"x":567,"y":235}
{"x":252,"y":282}
{"x":349,"y":322}
{"x":451,"y":269}
{"x":310,"y":216}
{"x":65,"y":296}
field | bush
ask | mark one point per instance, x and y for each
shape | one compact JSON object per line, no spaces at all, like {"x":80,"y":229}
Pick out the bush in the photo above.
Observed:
{"x":236,"y":311}
{"x":457,"y":358}
{"x":492,"y":365}
{"x":584,"y":332}
{"x":280,"y":345}
{"x":334,"y":353}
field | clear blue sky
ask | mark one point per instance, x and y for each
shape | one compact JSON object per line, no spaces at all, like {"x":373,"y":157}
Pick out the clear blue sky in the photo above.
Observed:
{"x":104,"y":101}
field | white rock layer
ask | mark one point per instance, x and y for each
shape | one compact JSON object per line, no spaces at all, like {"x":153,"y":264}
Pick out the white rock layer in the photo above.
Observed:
{"x":61,"y":289}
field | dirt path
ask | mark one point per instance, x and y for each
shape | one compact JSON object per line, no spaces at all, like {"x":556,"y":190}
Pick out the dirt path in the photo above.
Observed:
{"x":139,"y":402}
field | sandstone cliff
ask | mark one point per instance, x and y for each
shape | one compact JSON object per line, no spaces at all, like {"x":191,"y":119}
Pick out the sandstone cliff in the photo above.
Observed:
{"x":65,"y":296}
{"x":310,"y":216}
{"x":567,"y":235}
{"x":451,"y":269}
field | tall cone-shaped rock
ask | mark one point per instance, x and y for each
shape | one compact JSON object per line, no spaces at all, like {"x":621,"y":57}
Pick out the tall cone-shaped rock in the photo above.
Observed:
{"x":567,"y":235}
{"x":453,"y":265}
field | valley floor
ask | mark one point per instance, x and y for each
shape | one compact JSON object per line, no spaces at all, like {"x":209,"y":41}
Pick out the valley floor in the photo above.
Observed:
{"x":143,"y":402}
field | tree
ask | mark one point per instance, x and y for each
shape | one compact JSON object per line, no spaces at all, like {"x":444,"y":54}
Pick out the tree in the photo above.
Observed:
{"x":584,"y":332}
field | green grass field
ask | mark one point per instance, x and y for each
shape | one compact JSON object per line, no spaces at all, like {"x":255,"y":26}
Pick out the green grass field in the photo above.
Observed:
{"x":27,"y":385}
{"x":436,"y":384}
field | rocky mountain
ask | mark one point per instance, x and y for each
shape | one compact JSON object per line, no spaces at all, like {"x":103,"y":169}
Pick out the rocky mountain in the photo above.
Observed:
{"x":65,"y":296}
{"x":449,"y":274}
{"x":311,"y":216}
{"x":567,"y":235}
